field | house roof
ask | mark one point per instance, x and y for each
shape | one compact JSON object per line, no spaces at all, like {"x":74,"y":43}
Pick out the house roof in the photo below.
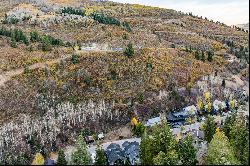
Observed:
{"x":131,"y":148}
{"x":113,"y":146}
{"x":126,"y":143}
{"x":115,"y":152}
{"x":187,"y":111}
{"x":217,"y":103}
{"x":100,"y":136}
{"x":171,"y":117}
{"x":49,"y":162}
{"x":113,"y":157}
{"x":198,"y":134}
{"x":153,"y":121}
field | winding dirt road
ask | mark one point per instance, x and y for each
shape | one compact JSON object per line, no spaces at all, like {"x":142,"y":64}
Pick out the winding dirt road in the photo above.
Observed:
{"x":6,"y":76}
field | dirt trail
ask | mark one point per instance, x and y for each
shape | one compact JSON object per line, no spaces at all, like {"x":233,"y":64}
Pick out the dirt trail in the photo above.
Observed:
{"x":4,"y":77}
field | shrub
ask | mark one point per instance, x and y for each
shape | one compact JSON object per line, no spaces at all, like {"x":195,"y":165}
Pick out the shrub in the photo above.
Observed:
{"x":125,"y":36}
{"x":141,"y":98}
{"x":101,"y":18}
{"x":129,"y":51}
{"x":34,"y":37}
{"x":172,"y":45}
{"x":71,"y":10}
{"x":74,"y":59}
{"x":210,"y":56}
{"x":126,"y":26}
{"x":138,"y":129}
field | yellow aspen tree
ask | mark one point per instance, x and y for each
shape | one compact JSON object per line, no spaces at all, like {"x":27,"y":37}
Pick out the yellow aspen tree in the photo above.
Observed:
{"x":232,"y":104}
{"x":38,"y":160}
{"x":207,"y":96}
{"x":199,"y":105}
{"x":209,"y":107}
{"x":134,"y":121}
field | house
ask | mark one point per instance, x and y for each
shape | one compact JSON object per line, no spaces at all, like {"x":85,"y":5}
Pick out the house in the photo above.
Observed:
{"x":219,"y":105}
{"x":172,"y":118}
{"x":177,"y":124}
{"x":115,"y":154}
{"x":89,"y":139}
{"x":100,"y":136}
{"x":186,"y":112}
{"x":153,"y":121}
{"x":197,"y":135}
{"x":181,"y":116}
{"x":129,"y":151}
{"x":49,"y":162}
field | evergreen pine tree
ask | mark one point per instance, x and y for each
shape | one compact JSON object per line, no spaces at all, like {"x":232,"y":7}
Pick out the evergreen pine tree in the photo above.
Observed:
{"x":145,"y":150}
{"x":190,"y":49}
{"x":160,"y":148}
{"x":74,"y":59}
{"x":220,"y":151}
{"x":81,"y":155}
{"x":203,"y":56}
{"x":210,"y":56}
{"x":129,"y":51}
{"x":100,"y":156}
{"x":223,"y":84}
{"x":197,"y":55}
{"x":13,"y":40}
{"x":61,"y":158}
{"x":187,"y":151}
{"x":239,"y":139}
{"x":209,"y":128}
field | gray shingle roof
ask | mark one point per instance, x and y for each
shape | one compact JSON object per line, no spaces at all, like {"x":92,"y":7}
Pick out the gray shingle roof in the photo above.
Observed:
{"x":115,"y":153}
{"x":49,"y":162}
{"x":113,"y":146}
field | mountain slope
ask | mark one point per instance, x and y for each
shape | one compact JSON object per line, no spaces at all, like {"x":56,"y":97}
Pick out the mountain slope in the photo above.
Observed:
{"x":69,"y":53}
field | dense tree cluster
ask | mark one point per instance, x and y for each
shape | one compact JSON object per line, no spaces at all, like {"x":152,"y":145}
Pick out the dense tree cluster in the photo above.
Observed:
{"x":237,"y":131}
{"x":220,"y":151}
{"x":200,"y":55}
{"x":239,"y":51}
{"x":71,"y":10}
{"x":161,"y":148}
{"x":103,"y":19}
{"x":49,"y":41}
{"x":10,"y":159}
{"x":11,"y":20}
{"x":18,"y":35}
